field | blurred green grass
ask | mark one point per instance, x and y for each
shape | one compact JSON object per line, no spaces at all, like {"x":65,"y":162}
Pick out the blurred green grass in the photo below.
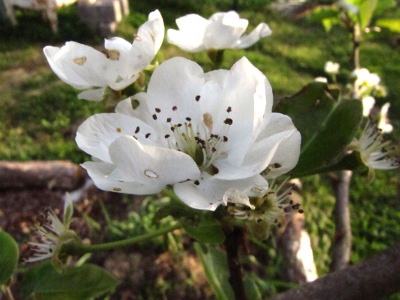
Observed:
{"x":39,"y":114}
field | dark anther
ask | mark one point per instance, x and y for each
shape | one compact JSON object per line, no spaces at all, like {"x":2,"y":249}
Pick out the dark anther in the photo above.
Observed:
{"x":228,"y":121}
{"x":137,"y":129}
{"x":167,"y":136}
{"x":196,"y":182}
{"x":154,"y":117}
{"x":229,"y":109}
{"x":197,"y":97}
{"x":225,"y":138}
{"x":172,"y":128}
{"x":188,"y":119}
{"x":158,"y":110}
{"x":147,"y":135}
{"x":277,"y":165}
{"x":174,"y":108}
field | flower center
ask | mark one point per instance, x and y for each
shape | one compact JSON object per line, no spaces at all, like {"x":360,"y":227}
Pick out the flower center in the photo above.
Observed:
{"x":202,"y":139}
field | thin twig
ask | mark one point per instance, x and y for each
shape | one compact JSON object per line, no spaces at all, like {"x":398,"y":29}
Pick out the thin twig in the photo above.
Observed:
{"x":232,"y":245}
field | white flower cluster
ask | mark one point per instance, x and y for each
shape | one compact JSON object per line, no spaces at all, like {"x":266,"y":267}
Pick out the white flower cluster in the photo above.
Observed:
{"x":202,"y":133}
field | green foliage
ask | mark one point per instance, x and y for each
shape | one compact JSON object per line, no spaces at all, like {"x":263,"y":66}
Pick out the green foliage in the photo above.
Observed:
{"x":391,"y":24}
{"x":208,"y":230}
{"x":43,"y":282}
{"x":326,"y":126}
{"x":215,"y":266}
{"x":9,"y":254}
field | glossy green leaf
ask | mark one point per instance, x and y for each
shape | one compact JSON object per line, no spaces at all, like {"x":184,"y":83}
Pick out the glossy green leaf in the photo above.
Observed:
{"x":391,"y":24}
{"x":215,"y":266}
{"x":326,"y":125}
{"x":207,"y":230}
{"x":78,"y":283}
{"x":9,"y":254}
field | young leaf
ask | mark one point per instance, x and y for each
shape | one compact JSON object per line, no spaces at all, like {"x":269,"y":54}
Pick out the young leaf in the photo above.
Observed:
{"x":9,"y":254}
{"x":79,"y":283}
{"x":367,"y":8}
{"x":216,"y":268}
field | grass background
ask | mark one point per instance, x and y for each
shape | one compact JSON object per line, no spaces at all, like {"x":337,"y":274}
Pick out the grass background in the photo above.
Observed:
{"x":39,"y":114}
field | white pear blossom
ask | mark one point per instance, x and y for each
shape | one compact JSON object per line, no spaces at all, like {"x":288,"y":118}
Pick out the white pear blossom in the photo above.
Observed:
{"x":367,"y":84}
{"x":223,"y":30}
{"x":321,"y":79}
{"x":88,"y":69}
{"x":52,"y":234}
{"x":368,"y":103}
{"x":203,"y":133}
{"x":384,"y":123}
{"x":332,"y":68}
{"x":375,"y":151}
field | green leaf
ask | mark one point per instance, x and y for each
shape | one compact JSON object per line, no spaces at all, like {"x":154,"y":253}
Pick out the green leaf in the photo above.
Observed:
{"x":326,"y":125}
{"x":252,"y":290}
{"x":366,"y":11}
{"x":215,"y":266}
{"x":322,"y":12}
{"x":34,"y":275}
{"x":207,"y":230}
{"x":78,"y":283}
{"x":381,"y":6}
{"x":391,"y":24}
{"x":9,"y":254}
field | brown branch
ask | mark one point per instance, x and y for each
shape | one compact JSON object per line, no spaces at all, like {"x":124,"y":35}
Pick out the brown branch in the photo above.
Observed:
{"x":38,"y":174}
{"x":342,"y":240}
{"x":372,"y":279}
{"x":233,"y":240}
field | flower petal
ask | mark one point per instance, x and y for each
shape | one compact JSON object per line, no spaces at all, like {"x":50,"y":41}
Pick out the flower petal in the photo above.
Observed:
{"x":149,"y":164}
{"x":100,"y":171}
{"x":209,"y":193}
{"x":262,"y":30}
{"x":249,"y":94}
{"x":223,"y":30}
{"x":147,"y":42}
{"x":190,"y":35}
{"x":99,"y":131}
{"x":92,"y":94}
{"x":79,"y":65}
{"x":279,"y":143}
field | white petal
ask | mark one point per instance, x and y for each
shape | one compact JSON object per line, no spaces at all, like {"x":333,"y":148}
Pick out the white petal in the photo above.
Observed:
{"x":224,"y":30}
{"x":149,"y":164}
{"x":100,"y":171}
{"x":209,"y":193}
{"x":99,"y":131}
{"x":147,"y":42}
{"x":279,"y":142}
{"x":190,"y":35}
{"x":249,"y":94}
{"x":175,"y":83}
{"x":92,"y":94}
{"x":262,"y":30}
{"x":79,"y":65}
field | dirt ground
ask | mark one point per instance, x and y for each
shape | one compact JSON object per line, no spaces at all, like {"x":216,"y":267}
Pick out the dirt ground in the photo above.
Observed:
{"x":150,"y":274}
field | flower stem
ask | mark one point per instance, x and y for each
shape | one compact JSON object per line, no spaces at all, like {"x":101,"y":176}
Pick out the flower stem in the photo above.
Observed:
{"x":77,"y":248}
{"x":7,"y":291}
{"x":232,"y":243}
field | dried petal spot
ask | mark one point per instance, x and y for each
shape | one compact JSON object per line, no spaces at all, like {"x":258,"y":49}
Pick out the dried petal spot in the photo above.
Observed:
{"x":113,"y":54}
{"x":80,"y":60}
